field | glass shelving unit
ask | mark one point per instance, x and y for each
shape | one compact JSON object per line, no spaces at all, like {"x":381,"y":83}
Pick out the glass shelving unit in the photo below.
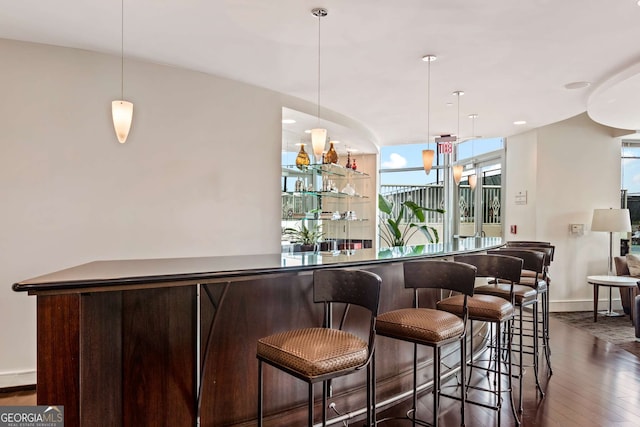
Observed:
{"x":326,"y":196}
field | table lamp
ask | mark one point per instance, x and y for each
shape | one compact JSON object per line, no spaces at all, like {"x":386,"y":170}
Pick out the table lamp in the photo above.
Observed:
{"x":612,"y":221}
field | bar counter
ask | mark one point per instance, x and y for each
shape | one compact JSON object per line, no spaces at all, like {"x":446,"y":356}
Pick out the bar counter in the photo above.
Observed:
{"x":171,"y":342}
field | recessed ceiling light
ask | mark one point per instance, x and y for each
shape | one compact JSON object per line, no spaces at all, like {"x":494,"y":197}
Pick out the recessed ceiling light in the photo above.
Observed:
{"x":520,"y":122}
{"x":307,"y":131}
{"x":449,"y":104}
{"x":577,"y":85}
{"x":352,"y":150}
{"x":458,"y":93}
{"x":429,"y":58}
{"x":288,"y":121}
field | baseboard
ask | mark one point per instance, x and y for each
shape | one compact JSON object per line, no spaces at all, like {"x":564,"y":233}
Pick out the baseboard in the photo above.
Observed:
{"x":18,"y":388}
{"x":15,"y":381}
{"x":584,"y":305}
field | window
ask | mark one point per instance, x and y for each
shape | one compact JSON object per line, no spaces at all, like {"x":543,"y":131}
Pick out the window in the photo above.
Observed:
{"x":631,"y":167}
{"x":402,"y":178}
{"x":630,"y":182}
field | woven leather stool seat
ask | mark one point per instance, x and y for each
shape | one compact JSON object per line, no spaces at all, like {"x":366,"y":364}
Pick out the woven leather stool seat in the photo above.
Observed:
{"x":522,"y":294}
{"x":481,"y":307}
{"x":419,"y":324}
{"x":298,"y":350}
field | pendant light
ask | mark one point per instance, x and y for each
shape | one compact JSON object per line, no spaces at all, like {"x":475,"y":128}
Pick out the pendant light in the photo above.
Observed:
{"x":457,"y":169}
{"x":121,"y":110}
{"x":318,"y":135}
{"x":473,"y":179}
{"x":457,"y":173}
{"x":427,"y":155}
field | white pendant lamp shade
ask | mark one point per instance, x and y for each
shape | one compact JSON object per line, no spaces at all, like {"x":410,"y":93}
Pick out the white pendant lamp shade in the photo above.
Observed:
{"x":318,"y":141}
{"x":122,"y":112}
{"x":473,"y":180}
{"x":427,"y":160}
{"x":457,"y":173}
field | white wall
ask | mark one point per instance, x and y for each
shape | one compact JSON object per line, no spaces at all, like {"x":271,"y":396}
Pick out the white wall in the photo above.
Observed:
{"x":520,"y":178}
{"x":568,"y":169}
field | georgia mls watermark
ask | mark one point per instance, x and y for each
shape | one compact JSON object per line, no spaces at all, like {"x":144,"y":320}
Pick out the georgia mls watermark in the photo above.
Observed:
{"x":32,"y":416}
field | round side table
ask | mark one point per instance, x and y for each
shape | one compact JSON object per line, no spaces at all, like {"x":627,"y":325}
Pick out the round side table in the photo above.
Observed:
{"x":611,"y":282}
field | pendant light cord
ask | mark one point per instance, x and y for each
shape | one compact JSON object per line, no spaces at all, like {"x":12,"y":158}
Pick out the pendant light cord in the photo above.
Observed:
{"x":457,"y":93}
{"x":458,"y":136}
{"x":428,"y":102}
{"x":319,"y":19}
{"x":473,"y":133}
{"x":122,"y":49}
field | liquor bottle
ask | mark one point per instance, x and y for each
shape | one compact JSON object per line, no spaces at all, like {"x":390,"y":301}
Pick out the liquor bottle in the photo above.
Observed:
{"x":332,"y":155}
{"x":302,"y":159}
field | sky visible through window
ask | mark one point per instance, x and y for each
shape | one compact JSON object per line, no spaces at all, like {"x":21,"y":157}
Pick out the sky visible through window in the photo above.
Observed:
{"x":410,"y":156}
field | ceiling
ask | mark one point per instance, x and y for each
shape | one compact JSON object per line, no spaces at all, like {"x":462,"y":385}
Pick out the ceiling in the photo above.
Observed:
{"x":512,"y":59}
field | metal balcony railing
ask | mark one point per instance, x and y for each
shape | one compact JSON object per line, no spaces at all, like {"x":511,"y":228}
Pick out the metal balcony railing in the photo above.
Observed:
{"x":432,"y":197}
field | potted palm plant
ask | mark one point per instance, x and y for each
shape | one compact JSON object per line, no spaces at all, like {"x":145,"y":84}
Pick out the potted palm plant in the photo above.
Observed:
{"x":307,"y":237}
{"x":396,"y":232}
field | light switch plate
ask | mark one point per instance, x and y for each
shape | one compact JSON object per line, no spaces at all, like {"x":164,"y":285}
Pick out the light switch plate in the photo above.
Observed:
{"x":576,"y":229}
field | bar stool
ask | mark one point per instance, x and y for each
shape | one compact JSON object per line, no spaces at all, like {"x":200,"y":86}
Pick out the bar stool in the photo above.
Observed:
{"x":540,"y":281}
{"x":527,"y":276}
{"x":546,"y":247}
{"x":523,"y":296}
{"x":431,"y":327}
{"x":320,"y":354}
{"x":549,"y":249}
{"x":496,"y":311}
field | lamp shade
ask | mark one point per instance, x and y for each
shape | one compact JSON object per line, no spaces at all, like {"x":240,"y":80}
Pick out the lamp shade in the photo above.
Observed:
{"x":457,"y":173}
{"x":427,"y":160}
{"x":318,"y":141}
{"x":611,"y":220}
{"x":122,"y":112}
{"x":473,"y":180}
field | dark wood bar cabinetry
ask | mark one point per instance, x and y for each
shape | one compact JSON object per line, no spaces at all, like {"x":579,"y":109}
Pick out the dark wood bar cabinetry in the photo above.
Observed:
{"x":172,"y":342}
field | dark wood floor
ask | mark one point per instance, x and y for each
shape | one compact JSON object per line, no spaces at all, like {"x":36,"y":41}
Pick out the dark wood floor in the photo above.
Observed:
{"x":593,"y":384}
